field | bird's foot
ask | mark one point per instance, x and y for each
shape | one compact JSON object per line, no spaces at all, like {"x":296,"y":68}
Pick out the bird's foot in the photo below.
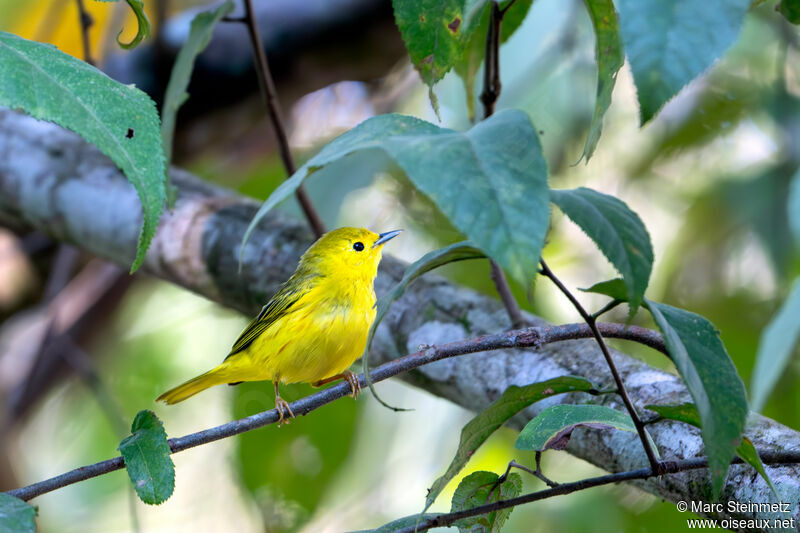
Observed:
{"x":282,"y":407}
{"x":352,"y":380}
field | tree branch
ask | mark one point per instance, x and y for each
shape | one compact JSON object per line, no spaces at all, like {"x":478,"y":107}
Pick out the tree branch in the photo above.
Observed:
{"x":86,"y":21}
{"x":51,"y":180}
{"x":623,"y":393}
{"x":271,"y":99}
{"x":448,"y":519}
{"x":530,"y":337}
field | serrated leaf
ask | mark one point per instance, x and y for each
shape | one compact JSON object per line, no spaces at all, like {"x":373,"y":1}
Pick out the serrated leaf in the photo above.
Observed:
{"x":775,"y":349}
{"x":400,"y":523}
{"x":476,"y":24}
{"x":670,"y":43}
{"x":512,"y":401}
{"x":431,"y":31}
{"x":143,"y":25}
{"x":147,"y":458}
{"x":610,"y":58}
{"x":199,"y":36}
{"x":459,"y":251}
{"x":16,"y":516}
{"x":491,"y":182}
{"x":617,"y":231}
{"x":118,"y":119}
{"x":709,"y":374}
{"x":613,"y":288}
{"x":553,"y":427}
{"x":687,"y":413}
{"x":790,"y":9}
{"x":479,"y":488}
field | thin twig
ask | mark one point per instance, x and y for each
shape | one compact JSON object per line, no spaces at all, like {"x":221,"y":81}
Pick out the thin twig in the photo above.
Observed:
{"x":655,"y":464}
{"x":491,"y":91}
{"x":673,"y":467}
{"x":86,"y":22}
{"x":270,"y":95}
{"x":529,"y":337}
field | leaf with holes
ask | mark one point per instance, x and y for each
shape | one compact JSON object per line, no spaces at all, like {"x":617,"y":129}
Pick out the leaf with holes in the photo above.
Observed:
{"x":553,"y":427}
{"x":480,"y":428}
{"x":617,"y":231}
{"x":147,"y":459}
{"x":119,"y":119}
{"x":481,"y":488}
{"x":687,"y":413}
{"x":610,"y":58}
{"x":775,"y":349}
{"x":16,"y":516}
{"x":709,"y":374}
{"x":670,"y":43}
{"x":491,"y":182}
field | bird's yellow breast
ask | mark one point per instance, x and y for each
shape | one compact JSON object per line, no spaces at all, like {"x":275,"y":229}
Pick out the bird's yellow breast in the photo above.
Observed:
{"x":321,"y":336}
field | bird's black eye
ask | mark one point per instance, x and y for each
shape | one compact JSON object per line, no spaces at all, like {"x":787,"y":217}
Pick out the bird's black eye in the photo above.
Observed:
{"x":358,"y":246}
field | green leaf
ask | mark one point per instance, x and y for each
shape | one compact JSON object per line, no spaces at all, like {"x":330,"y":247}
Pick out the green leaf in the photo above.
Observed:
{"x":610,"y":58}
{"x":709,"y":374}
{"x":775,"y":349}
{"x":747,"y":451}
{"x":687,"y":413}
{"x":553,"y":427}
{"x":613,"y":288}
{"x":175,"y":95}
{"x":119,"y":119}
{"x":400,"y":523}
{"x":480,"y":488}
{"x":790,"y":9}
{"x":480,"y":428}
{"x":431,"y":31}
{"x":147,"y":458}
{"x":16,"y":516}
{"x":617,"y":231}
{"x":491,"y":182}
{"x":476,"y":24}
{"x":143,"y":29}
{"x":459,"y":251}
{"x":683,"y":412}
{"x":794,"y":207}
{"x":670,"y":43}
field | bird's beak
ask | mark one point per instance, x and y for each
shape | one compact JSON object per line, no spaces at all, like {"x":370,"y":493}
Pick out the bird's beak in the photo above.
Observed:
{"x":384,"y":237}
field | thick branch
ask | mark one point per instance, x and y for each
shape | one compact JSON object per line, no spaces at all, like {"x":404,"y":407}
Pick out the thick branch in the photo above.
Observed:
{"x":51,"y":180}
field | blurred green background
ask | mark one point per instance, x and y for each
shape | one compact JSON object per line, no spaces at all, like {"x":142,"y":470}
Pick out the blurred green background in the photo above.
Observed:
{"x":709,"y":177}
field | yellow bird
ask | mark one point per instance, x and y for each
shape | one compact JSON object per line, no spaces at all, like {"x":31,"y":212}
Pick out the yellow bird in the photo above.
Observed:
{"x":314,"y":327}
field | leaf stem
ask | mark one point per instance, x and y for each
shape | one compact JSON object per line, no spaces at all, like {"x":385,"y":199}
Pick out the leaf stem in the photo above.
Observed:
{"x":270,"y":95}
{"x":86,"y":22}
{"x":591,"y":321}
{"x":490,"y":94}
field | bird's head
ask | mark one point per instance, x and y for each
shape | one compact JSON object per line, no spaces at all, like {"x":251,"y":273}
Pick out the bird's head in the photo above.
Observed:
{"x":348,"y":252}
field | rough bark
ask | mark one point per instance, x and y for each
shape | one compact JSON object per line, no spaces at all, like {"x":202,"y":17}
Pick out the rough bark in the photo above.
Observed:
{"x":53,"y":181}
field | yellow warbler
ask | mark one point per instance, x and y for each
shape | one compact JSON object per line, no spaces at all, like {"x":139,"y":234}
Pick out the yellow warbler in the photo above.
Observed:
{"x":314,"y":327}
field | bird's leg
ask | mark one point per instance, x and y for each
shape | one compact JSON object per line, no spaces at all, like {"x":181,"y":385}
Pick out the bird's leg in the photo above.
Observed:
{"x":351,"y":378}
{"x":281,"y":406}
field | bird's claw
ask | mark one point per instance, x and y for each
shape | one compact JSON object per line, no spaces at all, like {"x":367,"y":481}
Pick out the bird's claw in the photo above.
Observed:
{"x":352,"y":380}
{"x":282,"y":407}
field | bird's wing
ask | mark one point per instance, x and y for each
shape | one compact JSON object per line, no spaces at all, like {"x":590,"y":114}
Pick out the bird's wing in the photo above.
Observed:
{"x":280,"y":305}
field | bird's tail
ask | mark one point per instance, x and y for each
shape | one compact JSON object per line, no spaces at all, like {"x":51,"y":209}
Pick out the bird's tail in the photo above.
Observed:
{"x":193,"y":386}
